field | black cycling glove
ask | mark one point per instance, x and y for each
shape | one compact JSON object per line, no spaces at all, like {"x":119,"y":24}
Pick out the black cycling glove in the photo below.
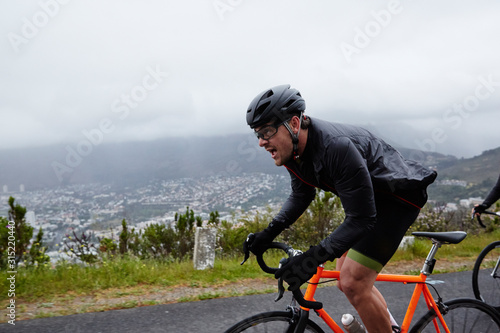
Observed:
{"x":261,"y":240}
{"x":299,"y":269}
{"x":479,"y":209}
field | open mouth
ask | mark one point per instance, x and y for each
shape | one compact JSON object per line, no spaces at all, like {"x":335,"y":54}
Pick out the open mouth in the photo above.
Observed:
{"x":272,"y":152}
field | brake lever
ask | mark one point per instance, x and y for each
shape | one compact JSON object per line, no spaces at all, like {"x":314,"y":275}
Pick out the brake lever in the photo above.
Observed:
{"x":480,"y":221}
{"x":478,"y":217}
{"x":281,"y":288}
{"x":246,"y":247}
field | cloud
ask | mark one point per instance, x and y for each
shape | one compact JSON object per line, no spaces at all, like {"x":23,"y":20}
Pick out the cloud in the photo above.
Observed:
{"x":414,"y":61}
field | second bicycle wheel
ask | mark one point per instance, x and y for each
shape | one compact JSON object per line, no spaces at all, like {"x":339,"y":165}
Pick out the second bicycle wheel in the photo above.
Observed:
{"x":462,"y":315}
{"x":486,"y":275}
{"x":276,"y":321}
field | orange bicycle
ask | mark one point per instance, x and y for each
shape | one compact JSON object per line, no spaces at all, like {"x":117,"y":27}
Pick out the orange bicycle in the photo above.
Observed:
{"x":462,"y":314}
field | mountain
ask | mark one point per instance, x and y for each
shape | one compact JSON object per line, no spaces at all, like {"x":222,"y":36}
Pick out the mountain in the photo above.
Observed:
{"x":479,"y":172}
{"x":132,"y":163}
{"x":129,"y":164}
{"x":475,"y":170}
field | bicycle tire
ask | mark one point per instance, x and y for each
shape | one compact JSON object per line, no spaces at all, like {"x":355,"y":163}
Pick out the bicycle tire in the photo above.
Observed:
{"x":274,"y":321}
{"x":464,"y":315}
{"x":485,"y":286}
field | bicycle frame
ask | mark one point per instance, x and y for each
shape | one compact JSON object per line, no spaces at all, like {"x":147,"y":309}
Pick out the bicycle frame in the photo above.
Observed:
{"x":421,"y":288}
{"x":307,"y":301}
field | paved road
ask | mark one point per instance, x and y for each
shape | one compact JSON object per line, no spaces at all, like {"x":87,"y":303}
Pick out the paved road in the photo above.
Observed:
{"x":218,"y":314}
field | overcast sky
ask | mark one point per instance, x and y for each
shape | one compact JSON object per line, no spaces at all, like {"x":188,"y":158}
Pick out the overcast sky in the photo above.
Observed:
{"x":423,"y":74}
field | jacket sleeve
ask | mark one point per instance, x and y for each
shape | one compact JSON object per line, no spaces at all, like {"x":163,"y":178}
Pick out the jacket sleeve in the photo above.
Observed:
{"x":351,"y":178}
{"x":493,"y":196}
{"x":297,"y":202}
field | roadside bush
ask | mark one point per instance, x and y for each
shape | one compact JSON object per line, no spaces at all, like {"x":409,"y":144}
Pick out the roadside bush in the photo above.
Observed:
{"x":81,"y":247}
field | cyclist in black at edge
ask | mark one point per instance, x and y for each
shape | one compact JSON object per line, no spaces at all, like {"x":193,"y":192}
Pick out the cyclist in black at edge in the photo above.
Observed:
{"x":493,"y":196}
{"x":381,"y":193}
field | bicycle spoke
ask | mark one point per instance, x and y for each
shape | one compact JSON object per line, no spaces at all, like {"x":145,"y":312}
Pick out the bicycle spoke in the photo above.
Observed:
{"x":464,"y":315}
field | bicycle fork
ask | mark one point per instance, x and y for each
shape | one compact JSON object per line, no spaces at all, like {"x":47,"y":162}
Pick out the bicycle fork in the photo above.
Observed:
{"x":495,"y":270}
{"x":299,"y":320}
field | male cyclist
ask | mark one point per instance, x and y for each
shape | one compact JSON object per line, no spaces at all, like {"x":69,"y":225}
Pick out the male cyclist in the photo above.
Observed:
{"x":380,"y":191}
{"x":493,"y":196}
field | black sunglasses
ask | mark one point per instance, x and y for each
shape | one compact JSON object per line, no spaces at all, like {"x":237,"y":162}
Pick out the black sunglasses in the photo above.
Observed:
{"x":269,"y":131}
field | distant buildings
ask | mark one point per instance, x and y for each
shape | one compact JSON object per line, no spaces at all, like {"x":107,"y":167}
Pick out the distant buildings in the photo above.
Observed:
{"x":99,"y":208}
{"x":452,"y":182}
{"x":5,"y":188}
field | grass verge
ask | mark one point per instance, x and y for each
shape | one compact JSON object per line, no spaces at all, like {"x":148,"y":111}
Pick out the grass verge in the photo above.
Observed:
{"x":124,"y":282}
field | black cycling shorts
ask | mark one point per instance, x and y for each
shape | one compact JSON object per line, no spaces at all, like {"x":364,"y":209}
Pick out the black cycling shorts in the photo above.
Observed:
{"x":394,"y":218}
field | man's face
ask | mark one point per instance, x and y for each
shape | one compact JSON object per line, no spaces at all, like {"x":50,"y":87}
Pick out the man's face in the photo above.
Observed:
{"x":278,"y":145}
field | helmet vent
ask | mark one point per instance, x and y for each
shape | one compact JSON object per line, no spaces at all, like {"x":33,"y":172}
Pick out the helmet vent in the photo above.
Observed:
{"x":288,"y":104}
{"x":262,"y":108}
{"x":268,"y":94}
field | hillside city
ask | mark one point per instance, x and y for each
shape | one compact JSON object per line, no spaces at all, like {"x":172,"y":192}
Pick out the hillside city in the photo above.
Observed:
{"x":100,"y":208}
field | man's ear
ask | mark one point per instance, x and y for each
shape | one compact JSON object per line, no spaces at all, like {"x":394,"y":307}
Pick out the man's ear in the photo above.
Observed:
{"x":295,"y":124}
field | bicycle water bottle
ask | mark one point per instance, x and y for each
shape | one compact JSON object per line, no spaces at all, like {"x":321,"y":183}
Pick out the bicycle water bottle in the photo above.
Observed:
{"x":352,"y":325}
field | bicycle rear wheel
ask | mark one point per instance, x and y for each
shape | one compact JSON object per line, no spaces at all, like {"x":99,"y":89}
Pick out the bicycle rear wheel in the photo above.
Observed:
{"x":276,"y":321}
{"x":486,"y":275}
{"x":462,"y":315}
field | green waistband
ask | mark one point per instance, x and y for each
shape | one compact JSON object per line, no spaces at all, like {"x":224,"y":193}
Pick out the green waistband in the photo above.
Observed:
{"x":365,"y":260}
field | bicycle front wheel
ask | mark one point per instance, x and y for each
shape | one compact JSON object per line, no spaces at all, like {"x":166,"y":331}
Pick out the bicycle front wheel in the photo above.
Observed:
{"x":276,"y":321}
{"x":486,"y":275}
{"x":461,"y":315}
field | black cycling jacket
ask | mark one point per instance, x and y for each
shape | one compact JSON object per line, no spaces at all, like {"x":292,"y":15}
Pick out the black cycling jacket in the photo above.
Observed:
{"x":493,"y":196}
{"x":354,"y":164}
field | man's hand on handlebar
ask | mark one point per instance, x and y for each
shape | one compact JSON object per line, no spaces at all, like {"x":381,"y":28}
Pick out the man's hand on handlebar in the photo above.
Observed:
{"x":299,"y":269}
{"x":481,"y":209}
{"x":478,"y":210}
{"x":315,"y":254}
{"x":260,"y":242}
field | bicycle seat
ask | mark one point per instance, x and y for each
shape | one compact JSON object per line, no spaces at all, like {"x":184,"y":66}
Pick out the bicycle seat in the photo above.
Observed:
{"x":450,"y":237}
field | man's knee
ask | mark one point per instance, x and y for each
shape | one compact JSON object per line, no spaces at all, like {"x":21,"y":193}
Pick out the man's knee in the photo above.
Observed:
{"x":352,"y":287}
{"x":356,"y":281}
{"x":339,"y":285}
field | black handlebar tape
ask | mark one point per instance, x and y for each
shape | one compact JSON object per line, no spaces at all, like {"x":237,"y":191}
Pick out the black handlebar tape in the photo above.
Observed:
{"x":296,"y":293}
{"x":307,"y":304}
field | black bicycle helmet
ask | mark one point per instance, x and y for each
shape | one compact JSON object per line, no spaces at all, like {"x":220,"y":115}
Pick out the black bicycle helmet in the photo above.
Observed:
{"x":275,"y":105}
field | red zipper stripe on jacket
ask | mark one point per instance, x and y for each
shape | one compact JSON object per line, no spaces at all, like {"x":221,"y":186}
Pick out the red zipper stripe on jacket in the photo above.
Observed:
{"x":397,"y":196}
{"x":299,"y":177}
{"x":401,"y":198}
{"x":408,"y":202}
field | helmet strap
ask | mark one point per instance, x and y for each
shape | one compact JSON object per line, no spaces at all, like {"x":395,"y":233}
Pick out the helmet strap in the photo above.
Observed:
{"x":295,"y":137}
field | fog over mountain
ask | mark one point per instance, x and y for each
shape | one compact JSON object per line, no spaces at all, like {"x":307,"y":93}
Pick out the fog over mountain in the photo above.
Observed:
{"x":137,"y":162}
{"x":132,"y":163}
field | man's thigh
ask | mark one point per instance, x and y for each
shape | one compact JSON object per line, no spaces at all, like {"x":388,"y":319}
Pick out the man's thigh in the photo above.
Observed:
{"x":378,"y":247}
